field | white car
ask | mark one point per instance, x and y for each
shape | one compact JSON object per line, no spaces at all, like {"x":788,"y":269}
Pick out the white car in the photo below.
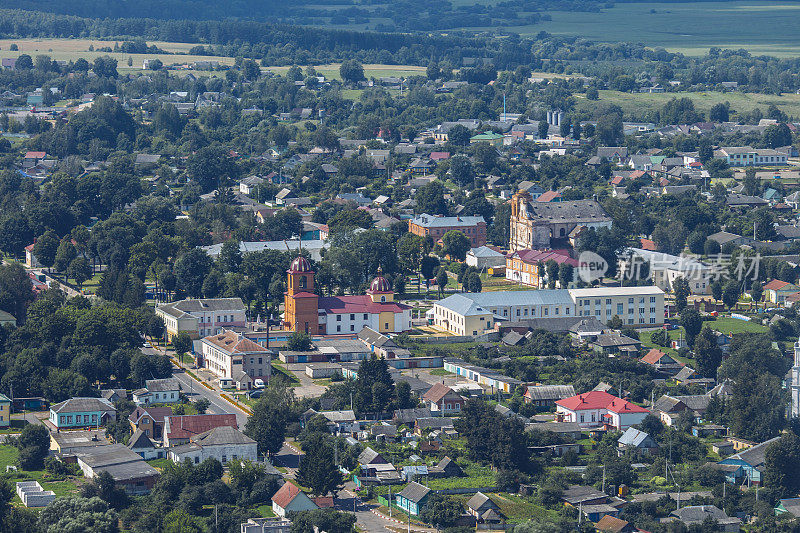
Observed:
{"x":258,"y":383}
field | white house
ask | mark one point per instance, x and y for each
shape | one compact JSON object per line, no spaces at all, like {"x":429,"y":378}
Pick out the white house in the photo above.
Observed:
{"x":230,"y":355}
{"x":484,"y":257}
{"x":223,"y":443}
{"x":596,"y":409}
{"x":290,"y":498}
{"x":166,"y":390}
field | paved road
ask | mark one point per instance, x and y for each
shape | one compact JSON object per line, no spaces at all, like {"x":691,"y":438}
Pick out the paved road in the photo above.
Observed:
{"x":289,"y":458}
{"x":194,"y":390}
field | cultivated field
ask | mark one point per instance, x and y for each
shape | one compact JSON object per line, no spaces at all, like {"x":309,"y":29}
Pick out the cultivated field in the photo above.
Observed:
{"x":638,"y":104}
{"x":768,"y":28}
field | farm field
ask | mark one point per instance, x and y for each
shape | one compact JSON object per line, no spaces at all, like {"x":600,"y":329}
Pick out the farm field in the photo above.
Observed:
{"x":762,"y":28}
{"x":638,"y":104}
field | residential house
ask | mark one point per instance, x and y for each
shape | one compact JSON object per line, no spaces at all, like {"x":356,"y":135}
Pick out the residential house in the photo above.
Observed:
{"x":600,"y":409}
{"x":149,"y":420}
{"x":203,"y":316}
{"x":442,"y":399}
{"x":249,"y":184}
{"x":484,"y":509}
{"x":636,"y":442}
{"x":223,"y":443}
{"x":68,"y":443}
{"x":231,"y":355}
{"x":446,"y":468}
{"x":699,"y":514}
{"x":547,"y":395}
{"x":412,"y":498}
{"x":142,"y":445}
{"x":290,"y":499}
{"x":180,"y":429}
{"x":668,"y":408}
{"x":612,"y":344}
{"x":612,"y":524}
{"x":776,"y":291}
{"x":82,"y":412}
{"x":788,"y":505}
{"x":167,"y":390}
{"x":748,"y":464}
{"x":661,"y":361}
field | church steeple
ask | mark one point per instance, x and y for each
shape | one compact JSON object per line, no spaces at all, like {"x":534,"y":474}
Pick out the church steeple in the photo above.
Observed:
{"x":301,"y":304}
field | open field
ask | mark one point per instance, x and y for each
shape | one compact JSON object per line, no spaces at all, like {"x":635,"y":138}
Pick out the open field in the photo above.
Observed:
{"x":762,"y":28}
{"x":640,"y":103}
{"x":71,"y":49}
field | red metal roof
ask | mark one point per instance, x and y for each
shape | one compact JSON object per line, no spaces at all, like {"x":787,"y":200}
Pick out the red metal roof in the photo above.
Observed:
{"x":187,"y":426}
{"x":549,"y":196}
{"x":35,"y":155}
{"x":776,"y":285}
{"x":653,"y":356}
{"x":600,"y":400}
{"x":535,"y":256}
{"x":437,"y":392}
{"x":358,"y":304}
{"x":437,"y":156}
{"x":286,"y":494}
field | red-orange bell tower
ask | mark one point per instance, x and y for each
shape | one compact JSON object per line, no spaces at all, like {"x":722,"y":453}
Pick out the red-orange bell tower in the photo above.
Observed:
{"x":300,"y":301}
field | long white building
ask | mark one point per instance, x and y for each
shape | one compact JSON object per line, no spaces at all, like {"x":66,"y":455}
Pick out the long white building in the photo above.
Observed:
{"x":474,"y":313}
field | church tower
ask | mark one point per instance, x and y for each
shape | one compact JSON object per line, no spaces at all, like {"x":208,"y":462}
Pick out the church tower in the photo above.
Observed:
{"x":300,"y":301}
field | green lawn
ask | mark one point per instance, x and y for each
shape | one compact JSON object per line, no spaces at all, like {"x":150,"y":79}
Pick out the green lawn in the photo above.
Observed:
{"x":732,"y":325}
{"x":8,"y":456}
{"x":440,"y":372}
{"x":265,"y":511}
{"x":159,"y":463}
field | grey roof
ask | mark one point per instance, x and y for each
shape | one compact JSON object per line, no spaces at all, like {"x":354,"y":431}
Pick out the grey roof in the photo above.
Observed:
{"x":222,"y":435}
{"x":666,"y":404}
{"x":633,"y":437}
{"x":485,"y":251}
{"x":579,"y":493}
{"x":588,"y":325}
{"x":368,"y":456}
{"x":466,"y":303}
{"x":430,"y":221}
{"x":614,"y":339}
{"x":695,"y":402}
{"x":415,"y":492}
{"x":80,"y":405}
{"x":162,"y":385}
{"x":201,"y":305}
{"x":434,"y":422}
{"x":696,"y":514}
{"x":554,"y":427}
{"x":479,"y":500}
{"x":684,"y":373}
{"x":754,"y":456}
{"x":406,"y":416}
{"x":140,"y":440}
{"x":372,"y":337}
{"x":577,"y":211}
{"x":512,"y":338}
{"x":549,"y":392}
{"x":339,"y":416}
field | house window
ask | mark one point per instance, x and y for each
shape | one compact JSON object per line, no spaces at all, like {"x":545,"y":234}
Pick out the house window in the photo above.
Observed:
{"x":366,"y":316}
{"x":352,"y":316}
{"x":352,"y":327}
{"x":582,"y":418}
{"x":338,"y":318}
{"x":338,"y":329}
{"x":94,"y":419}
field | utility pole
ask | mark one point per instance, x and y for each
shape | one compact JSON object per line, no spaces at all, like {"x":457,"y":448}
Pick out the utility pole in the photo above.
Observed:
{"x":604,"y":479}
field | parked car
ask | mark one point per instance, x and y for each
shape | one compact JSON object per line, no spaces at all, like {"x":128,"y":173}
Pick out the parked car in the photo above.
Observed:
{"x":258,"y":383}
{"x":255,"y":394}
